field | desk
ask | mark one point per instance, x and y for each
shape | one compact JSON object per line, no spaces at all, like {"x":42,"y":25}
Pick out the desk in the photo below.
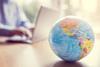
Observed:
{"x":40,"y":55}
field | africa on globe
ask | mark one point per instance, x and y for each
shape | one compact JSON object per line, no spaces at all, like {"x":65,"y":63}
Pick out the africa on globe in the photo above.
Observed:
{"x":71,"y":38}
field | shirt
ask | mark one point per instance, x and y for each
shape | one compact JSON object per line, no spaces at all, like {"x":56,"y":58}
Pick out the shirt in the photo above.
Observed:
{"x":14,"y":17}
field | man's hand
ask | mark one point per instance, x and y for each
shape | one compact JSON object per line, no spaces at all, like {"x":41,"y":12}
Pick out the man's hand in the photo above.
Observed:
{"x":22,"y":31}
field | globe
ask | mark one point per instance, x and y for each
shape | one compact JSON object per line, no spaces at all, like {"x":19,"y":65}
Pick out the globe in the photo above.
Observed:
{"x":71,"y":38}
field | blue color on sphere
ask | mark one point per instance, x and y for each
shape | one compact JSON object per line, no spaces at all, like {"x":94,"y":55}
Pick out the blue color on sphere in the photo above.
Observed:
{"x":65,"y":46}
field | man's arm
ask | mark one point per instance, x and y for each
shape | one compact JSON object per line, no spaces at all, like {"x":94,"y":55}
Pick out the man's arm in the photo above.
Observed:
{"x":6,"y":27}
{"x":24,"y":21}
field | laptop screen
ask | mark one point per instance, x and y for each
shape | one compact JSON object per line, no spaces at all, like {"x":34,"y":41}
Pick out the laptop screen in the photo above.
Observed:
{"x":44,"y":22}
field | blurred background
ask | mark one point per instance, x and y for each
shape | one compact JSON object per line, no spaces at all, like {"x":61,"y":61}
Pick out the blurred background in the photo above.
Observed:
{"x":22,"y":55}
{"x":87,"y":9}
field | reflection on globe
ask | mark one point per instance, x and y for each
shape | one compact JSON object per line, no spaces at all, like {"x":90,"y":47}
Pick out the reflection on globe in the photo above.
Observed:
{"x":71,"y":38}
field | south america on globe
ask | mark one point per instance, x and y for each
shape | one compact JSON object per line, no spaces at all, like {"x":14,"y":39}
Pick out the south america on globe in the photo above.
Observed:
{"x":71,"y":38}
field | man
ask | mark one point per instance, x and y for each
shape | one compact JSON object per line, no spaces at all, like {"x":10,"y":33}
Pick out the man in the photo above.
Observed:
{"x":13,"y":22}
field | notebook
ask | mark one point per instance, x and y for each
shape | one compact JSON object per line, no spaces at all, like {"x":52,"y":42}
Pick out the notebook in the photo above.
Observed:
{"x":44,"y":23}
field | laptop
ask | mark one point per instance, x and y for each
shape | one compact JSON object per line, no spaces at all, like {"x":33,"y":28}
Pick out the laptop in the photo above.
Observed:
{"x":44,"y":23}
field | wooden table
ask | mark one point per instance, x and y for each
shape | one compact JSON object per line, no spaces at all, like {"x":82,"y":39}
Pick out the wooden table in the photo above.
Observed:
{"x":40,"y":55}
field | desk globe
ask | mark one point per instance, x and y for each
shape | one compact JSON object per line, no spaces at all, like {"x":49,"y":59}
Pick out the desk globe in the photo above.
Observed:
{"x":71,"y":38}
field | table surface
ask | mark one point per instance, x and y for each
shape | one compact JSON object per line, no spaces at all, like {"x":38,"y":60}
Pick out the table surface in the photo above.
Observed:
{"x":40,"y":55}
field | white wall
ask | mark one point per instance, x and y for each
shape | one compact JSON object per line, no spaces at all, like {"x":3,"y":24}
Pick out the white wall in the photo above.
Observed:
{"x":88,"y":9}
